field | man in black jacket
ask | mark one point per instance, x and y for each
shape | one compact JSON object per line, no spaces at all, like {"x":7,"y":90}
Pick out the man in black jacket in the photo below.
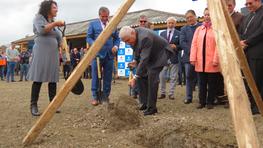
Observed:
{"x":153,"y":51}
{"x":251,"y":33}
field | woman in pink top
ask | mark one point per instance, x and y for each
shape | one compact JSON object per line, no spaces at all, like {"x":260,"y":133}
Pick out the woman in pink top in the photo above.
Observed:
{"x":204,"y":57}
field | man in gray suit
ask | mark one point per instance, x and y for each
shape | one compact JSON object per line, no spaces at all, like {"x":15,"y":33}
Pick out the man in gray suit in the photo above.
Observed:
{"x":154,"y":52}
{"x":172,"y":36}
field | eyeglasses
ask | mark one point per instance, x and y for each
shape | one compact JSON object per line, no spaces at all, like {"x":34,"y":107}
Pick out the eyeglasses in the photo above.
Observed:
{"x":248,"y":3}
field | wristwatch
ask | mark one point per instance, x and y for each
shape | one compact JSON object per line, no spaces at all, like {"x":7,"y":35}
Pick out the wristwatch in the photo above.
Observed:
{"x":136,"y":77}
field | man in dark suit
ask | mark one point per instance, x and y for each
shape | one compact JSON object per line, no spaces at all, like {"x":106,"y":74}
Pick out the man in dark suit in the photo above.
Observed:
{"x":186,"y":37}
{"x":251,"y":34}
{"x":74,"y":58}
{"x":139,"y":87}
{"x":153,"y":56}
{"x":236,"y":16}
{"x":172,"y":36}
{"x":106,"y":55}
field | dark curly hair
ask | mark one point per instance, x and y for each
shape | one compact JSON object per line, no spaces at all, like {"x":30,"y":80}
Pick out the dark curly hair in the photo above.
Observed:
{"x":45,"y":7}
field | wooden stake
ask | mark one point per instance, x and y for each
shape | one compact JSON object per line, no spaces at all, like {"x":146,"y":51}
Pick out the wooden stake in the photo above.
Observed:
{"x":227,"y":42}
{"x":65,"y":48}
{"x":74,"y":77}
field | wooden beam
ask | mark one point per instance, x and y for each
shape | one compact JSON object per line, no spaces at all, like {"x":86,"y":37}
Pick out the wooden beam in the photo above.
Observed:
{"x":227,"y":42}
{"x":74,"y":77}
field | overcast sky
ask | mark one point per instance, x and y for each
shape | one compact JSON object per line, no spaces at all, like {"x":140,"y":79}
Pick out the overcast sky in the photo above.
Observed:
{"x":16,"y":15}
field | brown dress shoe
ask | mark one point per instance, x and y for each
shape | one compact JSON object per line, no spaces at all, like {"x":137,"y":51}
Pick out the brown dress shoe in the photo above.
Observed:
{"x":162,"y":96}
{"x":134,"y":96}
{"x":171,"y":97}
{"x":209,"y":106}
{"x":226,"y":105}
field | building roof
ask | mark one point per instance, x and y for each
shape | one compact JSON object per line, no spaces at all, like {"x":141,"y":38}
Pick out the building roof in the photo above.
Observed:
{"x":130,"y":19}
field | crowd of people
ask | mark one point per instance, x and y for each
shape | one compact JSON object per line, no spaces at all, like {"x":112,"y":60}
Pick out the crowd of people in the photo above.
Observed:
{"x":20,"y":64}
{"x":186,"y":55}
{"x":13,"y":62}
{"x":195,"y":43}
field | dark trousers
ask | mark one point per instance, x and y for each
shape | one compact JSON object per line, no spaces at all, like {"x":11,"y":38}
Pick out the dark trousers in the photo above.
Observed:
{"x":66,"y":70}
{"x":191,"y":80}
{"x":149,"y":87}
{"x":208,"y":86}
{"x":181,"y":73}
{"x":221,"y":86}
{"x":52,"y":89}
{"x":87,"y":73}
{"x":256,"y":67}
{"x":2,"y":72}
{"x":23,"y":71}
{"x":142,"y":85}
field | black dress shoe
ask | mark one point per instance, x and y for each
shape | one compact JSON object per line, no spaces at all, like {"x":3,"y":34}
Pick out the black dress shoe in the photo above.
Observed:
{"x":143,"y":107}
{"x":34,"y":110}
{"x":209,"y":106}
{"x":254,"y":111}
{"x":150,"y":111}
{"x":200,"y":106}
{"x":187,"y":101}
{"x":162,"y":96}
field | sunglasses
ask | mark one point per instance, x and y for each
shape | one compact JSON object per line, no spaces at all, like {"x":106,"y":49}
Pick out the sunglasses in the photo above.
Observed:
{"x":143,"y":21}
{"x":249,"y":3}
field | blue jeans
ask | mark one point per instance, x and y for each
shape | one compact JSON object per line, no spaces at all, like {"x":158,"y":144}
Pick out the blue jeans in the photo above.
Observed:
{"x":2,"y":72}
{"x":23,"y":70}
{"x":107,"y":68}
{"x":10,"y":71}
{"x":191,"y":80}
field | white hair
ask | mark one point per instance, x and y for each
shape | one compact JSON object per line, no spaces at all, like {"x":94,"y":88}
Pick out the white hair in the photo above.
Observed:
{"x":171,"y":19}
{"x":125,"y":31}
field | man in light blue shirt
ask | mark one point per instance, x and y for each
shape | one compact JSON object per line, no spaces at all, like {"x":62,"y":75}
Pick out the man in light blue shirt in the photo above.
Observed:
{"x":12,"y":55}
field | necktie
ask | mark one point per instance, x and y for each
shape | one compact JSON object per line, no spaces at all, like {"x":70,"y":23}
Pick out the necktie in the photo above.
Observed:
{"x":169,"y":36}
{"x":104,"y":23}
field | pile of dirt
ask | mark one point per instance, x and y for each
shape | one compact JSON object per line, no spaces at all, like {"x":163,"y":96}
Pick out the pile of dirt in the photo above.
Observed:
{"x":118,"y":115}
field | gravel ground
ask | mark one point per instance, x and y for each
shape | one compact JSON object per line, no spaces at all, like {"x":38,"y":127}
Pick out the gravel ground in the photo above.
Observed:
{"x":121,"y":125}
